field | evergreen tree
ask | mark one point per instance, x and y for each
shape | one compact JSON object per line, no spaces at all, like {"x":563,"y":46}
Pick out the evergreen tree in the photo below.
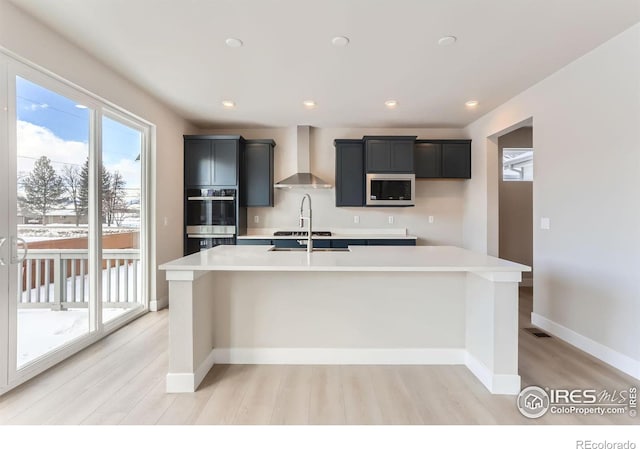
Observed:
{"x":113,"y":193}
{"x":83,"y":192}
{"x":43,"y":188}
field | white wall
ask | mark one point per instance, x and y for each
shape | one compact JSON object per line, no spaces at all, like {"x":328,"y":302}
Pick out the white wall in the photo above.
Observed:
{"x":587,"y":180}
{"x":441,"y":198}
{"x":516,"y":207}
{"x":29,"y":39}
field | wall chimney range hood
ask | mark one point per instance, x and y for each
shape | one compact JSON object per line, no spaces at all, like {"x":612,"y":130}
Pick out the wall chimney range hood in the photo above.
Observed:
{"x":303,"y":178}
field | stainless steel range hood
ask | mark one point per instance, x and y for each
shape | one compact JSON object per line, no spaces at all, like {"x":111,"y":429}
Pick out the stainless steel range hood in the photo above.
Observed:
{"x":303,"y":178}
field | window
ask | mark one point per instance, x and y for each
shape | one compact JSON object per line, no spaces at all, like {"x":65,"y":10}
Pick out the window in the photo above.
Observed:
{"x":73,"y":219}
{"x":517,"y":164}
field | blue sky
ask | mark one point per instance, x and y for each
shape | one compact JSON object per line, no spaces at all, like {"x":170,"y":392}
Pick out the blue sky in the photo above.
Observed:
{"x":61,"y":117}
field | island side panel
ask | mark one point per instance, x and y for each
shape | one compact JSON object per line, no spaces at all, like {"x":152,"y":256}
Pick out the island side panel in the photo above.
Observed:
{"x":339,"y":317}
{"x":492,"y":330}
{"x":190,"y":329}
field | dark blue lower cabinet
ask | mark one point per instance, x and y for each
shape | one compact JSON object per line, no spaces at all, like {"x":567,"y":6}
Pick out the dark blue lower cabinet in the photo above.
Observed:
{"x":391,"y":242}
{"x":254,"y":242}
{"x":301,"y":243}
{"x":347,"y":242}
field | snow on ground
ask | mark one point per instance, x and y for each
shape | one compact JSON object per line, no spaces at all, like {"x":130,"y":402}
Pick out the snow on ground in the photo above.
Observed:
{"x":42,"y":330}
{"x":37,"y":233}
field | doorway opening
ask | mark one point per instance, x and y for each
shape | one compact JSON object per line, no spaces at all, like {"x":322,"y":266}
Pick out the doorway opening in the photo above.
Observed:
{"x":515,"y":198}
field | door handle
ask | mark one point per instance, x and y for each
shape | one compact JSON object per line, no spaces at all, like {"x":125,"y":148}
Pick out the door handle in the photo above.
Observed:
{"x":2,"y":240}
{"x":25,"y":246}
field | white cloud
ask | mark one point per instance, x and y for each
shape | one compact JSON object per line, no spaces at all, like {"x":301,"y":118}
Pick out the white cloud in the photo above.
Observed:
{"x":35,"y":106}
{"x":34,"y":141}
{"x":130,"y":171}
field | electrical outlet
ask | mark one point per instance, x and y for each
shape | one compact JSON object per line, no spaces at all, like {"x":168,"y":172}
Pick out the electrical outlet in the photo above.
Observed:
{"x":356,"y":219}
{"x":256,"y":218}
{"x":430,"y":218}
{"x":391,"y":220}
{"x":545,"y":223}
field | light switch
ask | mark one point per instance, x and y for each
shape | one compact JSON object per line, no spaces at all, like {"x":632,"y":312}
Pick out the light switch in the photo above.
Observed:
{"x":256,"y":218}
{"x":430,"y":218}
{"x":165,"y":221}
{"x":545,"y":223}
{"x":391,"y":219}
{"x":356,"y":219}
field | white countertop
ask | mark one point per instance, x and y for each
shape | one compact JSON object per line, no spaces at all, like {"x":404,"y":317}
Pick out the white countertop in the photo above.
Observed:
{"x":336,"y":234}
{"x":359,"y":258}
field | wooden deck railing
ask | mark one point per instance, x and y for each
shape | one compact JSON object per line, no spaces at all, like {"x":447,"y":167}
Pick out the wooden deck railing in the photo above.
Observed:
{"x":58,"y":279}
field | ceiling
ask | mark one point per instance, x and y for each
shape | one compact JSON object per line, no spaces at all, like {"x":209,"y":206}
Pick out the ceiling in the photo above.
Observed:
{"x":176,"y":51}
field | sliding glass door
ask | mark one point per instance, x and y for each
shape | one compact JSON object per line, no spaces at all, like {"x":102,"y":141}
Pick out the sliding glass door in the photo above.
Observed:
{"x":72,"y":220}
{"x":51,"y":265}
{"x":121,"y":184}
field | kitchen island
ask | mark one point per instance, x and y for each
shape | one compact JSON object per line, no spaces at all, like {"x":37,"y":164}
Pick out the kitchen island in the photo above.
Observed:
{"x":367,"y":305}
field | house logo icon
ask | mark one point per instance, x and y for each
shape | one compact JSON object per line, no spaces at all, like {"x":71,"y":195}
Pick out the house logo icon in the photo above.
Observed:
{"x":533,"y":402}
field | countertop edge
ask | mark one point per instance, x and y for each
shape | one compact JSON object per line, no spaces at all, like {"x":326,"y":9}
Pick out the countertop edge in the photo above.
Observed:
{"x":330,"y":237}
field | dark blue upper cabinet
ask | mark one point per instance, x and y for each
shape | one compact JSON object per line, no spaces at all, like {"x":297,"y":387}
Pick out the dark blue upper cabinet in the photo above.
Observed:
{"x":428,"y":157}
{"x":443,"y":159}
{"x":225,"y":162}
{"x":197,"y":162}
{"x":389,"y":154}
{"x":456,"y":160}
{"x":257,"y":174}
{"x":349,"y":173}
{"x":211,"y":160}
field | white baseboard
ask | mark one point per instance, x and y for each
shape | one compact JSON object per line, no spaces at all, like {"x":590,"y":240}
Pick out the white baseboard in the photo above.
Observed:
{"x":614,"y":358}
{"x":159,"y":304}
{"x":180,"y":383}
{"x":340,"y":356}
{"x":188,"y":382}
{"x":495,"y":383}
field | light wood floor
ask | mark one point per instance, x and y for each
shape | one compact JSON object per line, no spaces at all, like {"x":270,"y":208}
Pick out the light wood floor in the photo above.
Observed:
{"x":120,"y":380}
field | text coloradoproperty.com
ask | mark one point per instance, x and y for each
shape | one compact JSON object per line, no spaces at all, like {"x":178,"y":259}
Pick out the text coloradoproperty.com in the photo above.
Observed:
{"x":563,"y":409}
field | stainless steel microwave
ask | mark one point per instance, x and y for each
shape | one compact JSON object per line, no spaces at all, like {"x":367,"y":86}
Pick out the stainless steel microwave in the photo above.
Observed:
{"x":391,"y":189}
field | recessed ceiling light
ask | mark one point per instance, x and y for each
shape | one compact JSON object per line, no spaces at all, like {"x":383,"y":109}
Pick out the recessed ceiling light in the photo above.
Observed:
{"x":340,"y":41}
{"x":233,"y":42}
{"x":447,"y":40}
{"x":309,"y":103}
{"x":81,"y":106}
{"x":228,"y":104}
{"x":471,"y":103}
{"x":391,"y":103}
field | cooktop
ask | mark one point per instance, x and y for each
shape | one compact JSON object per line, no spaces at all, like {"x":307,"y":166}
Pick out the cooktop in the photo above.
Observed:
{"x":301,"y":233}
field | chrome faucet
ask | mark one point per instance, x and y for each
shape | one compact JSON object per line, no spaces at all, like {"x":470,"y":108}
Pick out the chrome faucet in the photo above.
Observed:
{"x":302,"y":218}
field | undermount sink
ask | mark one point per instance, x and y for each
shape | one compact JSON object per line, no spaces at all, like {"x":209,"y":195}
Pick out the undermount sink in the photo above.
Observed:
{"x":315,"y":250}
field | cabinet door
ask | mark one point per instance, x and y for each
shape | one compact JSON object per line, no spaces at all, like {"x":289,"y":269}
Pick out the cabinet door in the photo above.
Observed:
{"x":349,"y":174}
{"x":347,"y":242}
{"x":428,"y":160}
{"x":197,"y":162}
{"x":258,"y":175}
{"x":401,"y":156}
{"x":456,"y":160}
{"x":225,"y":164}
{"x":391,"y":242}
{"x":254,"y":242}
{"x":301,"y":243}
{"x":378,"y":156}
